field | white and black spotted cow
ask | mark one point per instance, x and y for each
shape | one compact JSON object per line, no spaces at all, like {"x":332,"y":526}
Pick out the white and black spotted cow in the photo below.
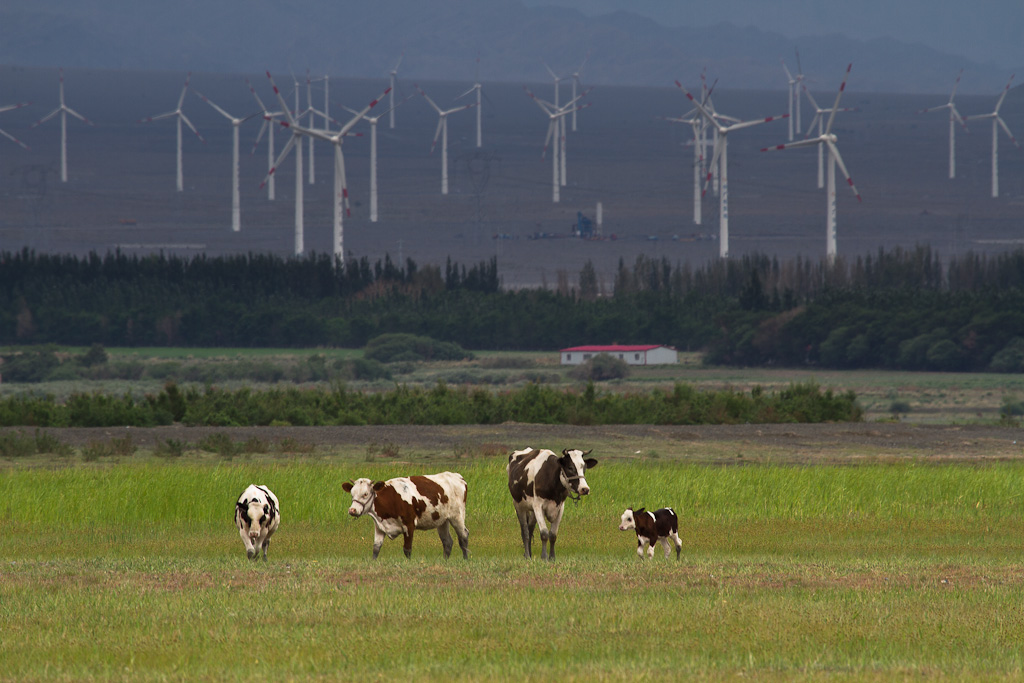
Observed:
{"x":651,"y":527}
{"x":401,"y":505}
{"x":257,"y":515}
{"x":540,"y":481}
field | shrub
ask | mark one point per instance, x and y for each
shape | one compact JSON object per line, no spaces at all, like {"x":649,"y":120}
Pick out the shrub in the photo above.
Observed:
{"x":16,"y":445}
{"x":600,"y":368}
{"x":96,"y":355}
{"x":388,"y":348}
{"x":170,"y":448}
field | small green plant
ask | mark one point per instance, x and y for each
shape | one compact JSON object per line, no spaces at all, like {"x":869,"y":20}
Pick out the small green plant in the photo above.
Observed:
{"x":219,"y":443}
{"x":16,"y":445}
{"x":899,"y":407}
{"x":384,"y":450}
{"x":170,"y":448}
{"x":123,"y":445}
{"x":47,"y":443}
{"x":94,"y":450}
{"x":290,"y":445}
{"x":254,"y":444}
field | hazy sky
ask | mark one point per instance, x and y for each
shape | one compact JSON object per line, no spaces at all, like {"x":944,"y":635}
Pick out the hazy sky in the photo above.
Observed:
{"x":981,"y":30}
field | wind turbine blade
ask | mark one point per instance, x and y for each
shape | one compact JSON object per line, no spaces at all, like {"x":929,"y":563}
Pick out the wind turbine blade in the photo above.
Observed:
{"x":10,"y":107}
{"x":437,"y":133}
{"x":432,"y":103}
{"x":1006,"y":128}
{"x":547,"y":138}
{"x":786,"y":69}
{"x":955,"y":85}
{"x":793,"y":145}
{"x":814,"y":103}
{"x":13,"y":139}
{"x":280,"y":99}
{"x":344,"y":180}
{"x":835,"y":107}
{"x":1003,"y":96}
{"x":700,"y":107}
{"x":263,"y":129}
{"x":158,"y":117}
{"x":181,"y":98}
{"x":206,"y":99}
{"x":747,"y":124}
{"x":958,"y":118}
{"x":398,"y":63}
{"x":78,"y":116}
{"x":842,"y":167}
{"x":540,"y":103}
{"x":359,"y":115}
{"x":46,"y":118}
{"x":189,"y":124}
{"x":467,"y":92}
{"x":551,"y":71}
{"x":280,"y":158}
{"x":714,"y":161}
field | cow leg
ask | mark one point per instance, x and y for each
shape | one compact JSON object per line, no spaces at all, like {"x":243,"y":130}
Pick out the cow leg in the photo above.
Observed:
{"x":459,"y":524}
{"x":678,"y":543}
{"x":407,"y":547}
{"x":538,"y":513}
{"x":378,"y":540}
{"x":666,"y":546}
{"x":250,"y":549}
{"x":553,"y":533}
{"x":266,"y":546}
{"x":446,"y":539}
{"x":650,"y":550}
{"x":640,"y":543}
{"x":526,"y":531}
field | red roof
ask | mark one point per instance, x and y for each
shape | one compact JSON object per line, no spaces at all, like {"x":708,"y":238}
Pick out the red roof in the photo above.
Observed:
{"x":614,"y":348}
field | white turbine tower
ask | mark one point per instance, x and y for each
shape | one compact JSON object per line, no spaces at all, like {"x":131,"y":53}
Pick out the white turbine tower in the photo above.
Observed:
{"x":997,"y":123}
{"x":696,"y":121}
{"x":373,"y":121}
{"x":236,"y":204}
{"x":341,"y":203}
{"x":179,"y":115}
{"x":721,"y":159}
{"x":442,"y":130}
{"x":11,"y":107}
{"x":556,"y":119}
{"x":269,"y":120}
{"x":819,"y":118}
{"x":394,"y":75}
{"x":479,"y":105}
{"x":954,"y":118}
{"x":63,"y":110}
{"x":828,"y":139}
{"x":294,"y":141}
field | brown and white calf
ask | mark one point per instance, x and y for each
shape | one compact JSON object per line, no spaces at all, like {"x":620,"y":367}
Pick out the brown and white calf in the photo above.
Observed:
{"x":540,"y":481}
{"x":405,"y":504}
{"x":257,"y":516}
{"x":651,"y":527}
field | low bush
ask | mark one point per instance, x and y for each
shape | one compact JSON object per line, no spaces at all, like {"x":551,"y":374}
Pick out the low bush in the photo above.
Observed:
{"x":390,"y":348}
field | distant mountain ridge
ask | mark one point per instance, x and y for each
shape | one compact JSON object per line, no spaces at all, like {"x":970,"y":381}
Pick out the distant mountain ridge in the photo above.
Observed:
{"x":441,"y":41}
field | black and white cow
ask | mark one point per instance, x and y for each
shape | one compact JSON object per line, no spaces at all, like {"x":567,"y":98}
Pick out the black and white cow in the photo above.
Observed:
{"x":651,"y":527}
{"x":540,"y":481}
{"x":257,"y":515}
{"x":404,"y":504}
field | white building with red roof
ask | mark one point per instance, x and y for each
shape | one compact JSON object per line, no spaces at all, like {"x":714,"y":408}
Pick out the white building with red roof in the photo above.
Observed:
{"x":632,"y":354}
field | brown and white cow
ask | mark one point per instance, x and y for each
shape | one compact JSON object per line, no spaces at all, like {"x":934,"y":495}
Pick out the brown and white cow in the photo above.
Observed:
{"x":257,"y":516}
{"x":540,"y":481}
{"x":651,"y":527}
{"x":404,"y":504}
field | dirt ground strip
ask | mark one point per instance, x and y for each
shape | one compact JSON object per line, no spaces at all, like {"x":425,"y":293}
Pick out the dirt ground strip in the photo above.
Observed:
{"x":795,"y":442}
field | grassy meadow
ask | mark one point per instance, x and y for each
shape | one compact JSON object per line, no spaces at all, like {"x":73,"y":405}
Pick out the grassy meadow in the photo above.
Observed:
{"x":887,"y":570}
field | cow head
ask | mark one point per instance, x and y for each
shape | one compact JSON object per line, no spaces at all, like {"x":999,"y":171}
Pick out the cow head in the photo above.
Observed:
{"x":574,"y":465}
{"x":628,"y":520}
{"x":257,"y":513}
{"x":363,"y":492}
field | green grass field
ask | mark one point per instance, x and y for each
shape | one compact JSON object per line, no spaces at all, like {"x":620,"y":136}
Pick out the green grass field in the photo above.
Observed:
{"x":879,"y":571}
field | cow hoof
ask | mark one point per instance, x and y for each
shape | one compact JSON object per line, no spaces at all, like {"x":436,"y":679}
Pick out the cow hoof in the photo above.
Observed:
{"x":251,"y":554}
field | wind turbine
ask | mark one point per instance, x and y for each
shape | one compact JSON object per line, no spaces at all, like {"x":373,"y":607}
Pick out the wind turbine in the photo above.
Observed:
{"x":828,"y":139}
{"x":442,"y":129}
{"x":295,"y":138}
{"x":819,"y":118}
{"x":373,"y":120}
{"x":10,"y":107}
{"x":479,"y":105}
{"x":556,"y":116}
{"x":394,"y":75}
{"x":997,"y":122}
{"x":63,"y":110}
{"x":236,"y":205}
{"x":696,"y":121}
{"x":954,"y":118}
{"x":269,"y":119}
{"x":575,"y":76}
{"x":795,"y":83}
{"x":721,"y":158}
{"x":341,"y":203}
{"x":178,"y":114}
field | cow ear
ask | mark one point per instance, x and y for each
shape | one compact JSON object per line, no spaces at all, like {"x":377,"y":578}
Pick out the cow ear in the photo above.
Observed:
{"x":378,"y":485}
{"x":242,"y":504}
{"x":347,"y":487}
{"x":590,"y":463}
{"x":565,"y":452}
{"x":586,"y":453}
{"x":639,"y":511}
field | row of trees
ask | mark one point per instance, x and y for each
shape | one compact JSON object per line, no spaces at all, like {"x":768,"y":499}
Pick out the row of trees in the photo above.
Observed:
{"x":898,"y":309}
